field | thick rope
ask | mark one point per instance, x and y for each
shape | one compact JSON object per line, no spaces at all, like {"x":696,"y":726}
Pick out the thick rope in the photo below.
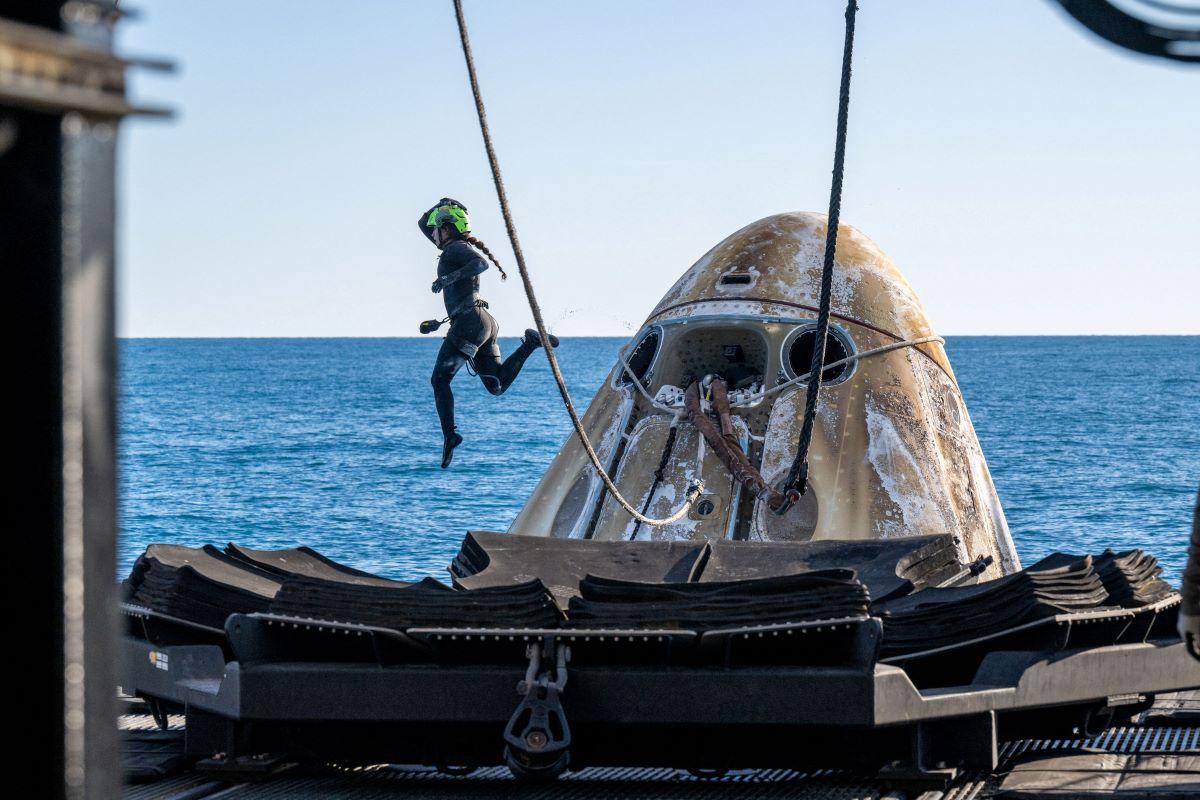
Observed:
{"x":697,"y":486}
{"x":797,"y":479}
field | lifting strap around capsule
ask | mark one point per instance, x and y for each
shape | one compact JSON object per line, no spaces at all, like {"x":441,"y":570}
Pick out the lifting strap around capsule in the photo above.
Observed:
{"x":730,"y":454}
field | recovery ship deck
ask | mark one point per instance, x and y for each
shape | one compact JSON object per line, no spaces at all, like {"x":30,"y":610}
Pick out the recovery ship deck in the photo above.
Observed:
{"x":1156,"y":755}
{"x":894,"y":671}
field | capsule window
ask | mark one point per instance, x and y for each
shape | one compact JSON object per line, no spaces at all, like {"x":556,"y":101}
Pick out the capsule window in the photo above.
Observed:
{"x":800,"y":353}
{"x":641,"y":358}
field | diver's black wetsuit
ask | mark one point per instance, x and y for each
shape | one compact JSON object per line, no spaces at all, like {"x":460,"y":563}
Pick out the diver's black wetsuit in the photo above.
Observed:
{"x":473,"y":331}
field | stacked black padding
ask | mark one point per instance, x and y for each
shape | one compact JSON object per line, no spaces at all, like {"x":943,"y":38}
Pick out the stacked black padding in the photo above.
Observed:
{"x":1058,"y":584}
{"x":807,"y":597}
{"x":426,"y":604}
{"x":200,"y":585}
{"x":304,"y":562}
{"x":889,"y":568}
{"x":1132,"y":578}
{"x":204,"y":586}
{"x":502,"y":559}
{"x":676,"y":585}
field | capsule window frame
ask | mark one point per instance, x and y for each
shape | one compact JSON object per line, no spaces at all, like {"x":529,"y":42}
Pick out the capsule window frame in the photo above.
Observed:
{"x":622,"y":379}
{"x":836,"y":331}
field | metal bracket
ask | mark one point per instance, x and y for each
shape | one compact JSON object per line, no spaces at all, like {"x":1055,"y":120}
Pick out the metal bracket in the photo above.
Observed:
{"x":537,"y":736}
{"x":959,"y":742}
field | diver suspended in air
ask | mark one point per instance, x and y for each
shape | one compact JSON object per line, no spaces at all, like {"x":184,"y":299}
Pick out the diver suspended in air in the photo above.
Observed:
{"x":473,"y":331}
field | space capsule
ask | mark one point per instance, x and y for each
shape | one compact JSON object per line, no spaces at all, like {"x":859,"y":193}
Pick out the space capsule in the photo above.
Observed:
{"x":893,"y":451}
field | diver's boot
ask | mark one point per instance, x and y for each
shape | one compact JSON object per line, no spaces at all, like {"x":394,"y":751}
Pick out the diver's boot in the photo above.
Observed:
{"x":453,"y":440}
{"x":533,"y":340}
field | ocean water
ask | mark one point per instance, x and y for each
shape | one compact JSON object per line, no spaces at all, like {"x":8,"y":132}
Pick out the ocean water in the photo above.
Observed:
{"x":1093,"y":442}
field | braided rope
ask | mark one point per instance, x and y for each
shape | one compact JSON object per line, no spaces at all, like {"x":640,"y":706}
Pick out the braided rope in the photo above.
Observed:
{"x":797,"y":479}
{"x":697,"y":486}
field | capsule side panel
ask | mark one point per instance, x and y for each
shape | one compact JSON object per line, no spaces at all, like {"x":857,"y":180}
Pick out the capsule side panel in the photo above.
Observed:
{"x":689,"y":459}
{"x":555,"y":508}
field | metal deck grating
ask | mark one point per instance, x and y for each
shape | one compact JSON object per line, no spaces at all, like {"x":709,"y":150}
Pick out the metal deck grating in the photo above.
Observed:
{"x":614,"y":783}
{"x":1127,"y":740}
{"x":145,"y":722}
{"x":181,"y":786}
{"x":594,"y":784}
{"x":968,"y":789}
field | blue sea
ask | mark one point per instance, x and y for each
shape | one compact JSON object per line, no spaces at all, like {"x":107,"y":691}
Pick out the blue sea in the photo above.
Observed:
{"x":1093,"y":442}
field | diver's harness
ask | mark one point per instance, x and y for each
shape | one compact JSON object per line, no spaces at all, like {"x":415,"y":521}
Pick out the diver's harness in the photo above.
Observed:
{"x":431,"y":325}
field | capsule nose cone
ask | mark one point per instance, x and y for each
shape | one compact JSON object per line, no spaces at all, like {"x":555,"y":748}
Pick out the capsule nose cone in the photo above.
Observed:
{"x":776,"y":263}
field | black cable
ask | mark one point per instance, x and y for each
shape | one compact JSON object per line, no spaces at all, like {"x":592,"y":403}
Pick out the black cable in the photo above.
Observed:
{"x":797,"y":479}
{"x":658,"y":478}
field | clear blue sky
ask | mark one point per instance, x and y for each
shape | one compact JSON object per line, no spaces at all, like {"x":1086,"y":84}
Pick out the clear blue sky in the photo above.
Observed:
{"x":1026,"y":177}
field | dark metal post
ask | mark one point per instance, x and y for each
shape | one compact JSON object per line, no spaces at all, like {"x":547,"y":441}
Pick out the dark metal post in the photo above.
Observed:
{"x":61,"y":97}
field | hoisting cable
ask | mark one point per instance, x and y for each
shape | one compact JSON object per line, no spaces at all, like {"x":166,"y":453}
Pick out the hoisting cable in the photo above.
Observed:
{"x":797,"y":478}
{"x":697,"y":486}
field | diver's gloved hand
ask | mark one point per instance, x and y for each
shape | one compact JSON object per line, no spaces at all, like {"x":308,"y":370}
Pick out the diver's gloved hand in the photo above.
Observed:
{"x":1189,"y":631}
{"x":437,"y":286}
{"x":450,"y":201}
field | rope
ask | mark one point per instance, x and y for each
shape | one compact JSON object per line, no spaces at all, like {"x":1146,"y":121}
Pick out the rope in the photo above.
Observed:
{"x":754,"y":398}
{"x":660,"y":473}
{"x":697,"y":486}
{"x":641,"y":388}
{"x":876,"y":351}
{"x":797,"y":479}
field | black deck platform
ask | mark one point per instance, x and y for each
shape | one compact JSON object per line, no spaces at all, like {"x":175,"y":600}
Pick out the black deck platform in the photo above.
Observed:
{"x":362,"y":681}
{"x":1148,"y":758}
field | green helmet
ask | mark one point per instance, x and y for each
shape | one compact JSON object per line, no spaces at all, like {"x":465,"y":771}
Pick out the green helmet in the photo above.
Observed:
{"x":449,"y":214}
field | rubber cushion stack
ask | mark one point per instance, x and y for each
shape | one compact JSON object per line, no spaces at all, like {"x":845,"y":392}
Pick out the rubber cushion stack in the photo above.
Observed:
{"x":427,"y":603}
{"x":307,"y":563}
{"x":806,"y":597}
{"x":201,"y":585}
{"x":1132,"y":578}
{"x":1058,"y":584}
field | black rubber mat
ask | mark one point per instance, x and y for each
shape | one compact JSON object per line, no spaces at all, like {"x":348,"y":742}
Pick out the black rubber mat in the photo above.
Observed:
{"x":501,"y":559}
{"x":507,"y":581}
{"x":427,"y":603}
{"x":888,"y":568}
{"x":1131,"y":578}
{"x":810,"y":596}
{"x":201,"y":585}
{"x":1058,"y":584}
{"x":305,"y":562}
